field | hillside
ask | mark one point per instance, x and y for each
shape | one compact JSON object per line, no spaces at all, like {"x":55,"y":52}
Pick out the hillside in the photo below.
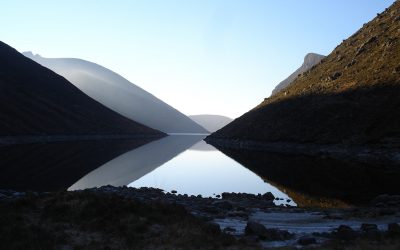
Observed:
{"x":351,"y":97}
{"x":120,"y":95}
{"x":310,"y":60}
{"x":211,"y":122}
{"x":36,"y":101}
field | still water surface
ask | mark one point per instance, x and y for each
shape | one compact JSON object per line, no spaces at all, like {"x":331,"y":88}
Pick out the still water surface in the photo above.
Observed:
{"x":184,"y":163}
{"x":188,"y":165}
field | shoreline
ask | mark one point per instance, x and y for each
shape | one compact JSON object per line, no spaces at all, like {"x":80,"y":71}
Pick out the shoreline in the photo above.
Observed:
{"x":375,"y":154}
{"x":14,"y":140}
{"x":251,"y":219}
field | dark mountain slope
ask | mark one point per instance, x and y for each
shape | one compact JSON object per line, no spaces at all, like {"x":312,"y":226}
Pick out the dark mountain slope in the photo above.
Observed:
{"x":310,"y":60}
{"x":120,"y":95}
{"x":36,"y":101}
{"x":352,"y":96}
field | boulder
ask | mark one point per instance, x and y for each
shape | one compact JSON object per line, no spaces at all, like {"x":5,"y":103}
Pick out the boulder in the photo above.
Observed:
{"x":344,"y":232}
{"x":268,"y":196}
{"x":335,"y":76}
{"x":306,"y":240}
{"x":257,"y":229}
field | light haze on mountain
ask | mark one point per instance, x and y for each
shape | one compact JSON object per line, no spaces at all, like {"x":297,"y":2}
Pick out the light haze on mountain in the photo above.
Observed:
{"x":120,"y":95}
{"x":211,"y":122}
{"x":37,"y":103}
{"x":310,"y":60}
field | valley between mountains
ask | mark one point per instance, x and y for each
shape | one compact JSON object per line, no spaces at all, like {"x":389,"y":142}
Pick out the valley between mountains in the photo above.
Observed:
{"x":90,"y":160}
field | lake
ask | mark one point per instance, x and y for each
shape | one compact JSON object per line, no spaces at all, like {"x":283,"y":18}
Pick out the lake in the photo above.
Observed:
{"x":183,"y":163}
{"x":186,"y":164}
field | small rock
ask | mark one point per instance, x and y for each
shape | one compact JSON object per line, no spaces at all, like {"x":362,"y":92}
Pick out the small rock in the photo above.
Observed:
{"x":254,"y":228}
{"x":335,"y":76}
{"x":174,"y":191}
{"x":218,"y":196}
{"x":344,"y":232}
{"x":268,"y":196}
{"x":306,"y":240}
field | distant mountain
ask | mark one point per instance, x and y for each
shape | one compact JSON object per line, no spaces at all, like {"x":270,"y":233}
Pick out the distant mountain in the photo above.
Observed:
{"x":310,"y":60}
{"x":211,"y":122}
{"x":36,"y":101}
{"x":351,"y":97}
{"x":120,"y":95}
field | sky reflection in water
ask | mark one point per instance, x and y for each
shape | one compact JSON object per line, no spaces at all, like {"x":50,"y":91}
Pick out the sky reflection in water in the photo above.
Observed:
{"x":183,"y":163}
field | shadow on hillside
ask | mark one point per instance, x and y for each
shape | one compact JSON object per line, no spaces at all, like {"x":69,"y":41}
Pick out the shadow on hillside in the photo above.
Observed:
{"x":312,"y":178}
{"x":363,"y":115}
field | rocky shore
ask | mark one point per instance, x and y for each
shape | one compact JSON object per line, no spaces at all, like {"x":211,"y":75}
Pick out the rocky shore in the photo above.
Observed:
{"x":237,"y":221}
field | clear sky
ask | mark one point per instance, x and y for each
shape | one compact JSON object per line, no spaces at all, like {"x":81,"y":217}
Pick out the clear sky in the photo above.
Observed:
{"x":200,"y":56}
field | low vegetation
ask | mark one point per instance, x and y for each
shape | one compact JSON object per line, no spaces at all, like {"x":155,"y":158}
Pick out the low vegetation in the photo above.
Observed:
{"x":89,"y":220}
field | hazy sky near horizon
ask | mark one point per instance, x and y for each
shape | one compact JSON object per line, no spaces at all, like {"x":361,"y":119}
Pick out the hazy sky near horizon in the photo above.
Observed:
{"x":200,"y":56}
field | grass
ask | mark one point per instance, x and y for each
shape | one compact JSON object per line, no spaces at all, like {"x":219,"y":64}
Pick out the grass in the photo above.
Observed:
{"x":87,"y":220}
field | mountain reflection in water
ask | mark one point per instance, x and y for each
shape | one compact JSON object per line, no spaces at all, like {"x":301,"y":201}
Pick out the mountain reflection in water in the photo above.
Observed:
{"x":56,"y":166}
{"x":178,"y":162}
{"x":136,"y":163}
{"x":316,"y":181}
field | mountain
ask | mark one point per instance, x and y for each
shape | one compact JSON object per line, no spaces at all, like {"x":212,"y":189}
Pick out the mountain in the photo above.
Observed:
{"x":211,"y":122}
{"x":36,"y":101}
{"x":310,"y":60}
{"x":120,"y":95}
{"x":351,"y":97}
